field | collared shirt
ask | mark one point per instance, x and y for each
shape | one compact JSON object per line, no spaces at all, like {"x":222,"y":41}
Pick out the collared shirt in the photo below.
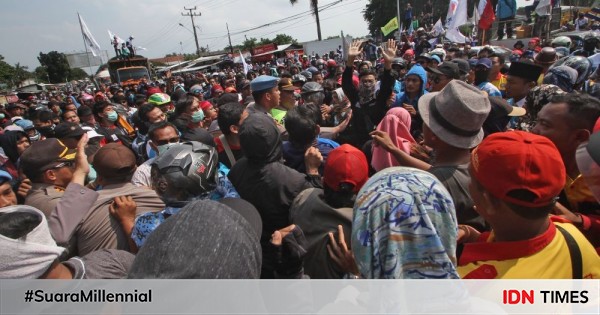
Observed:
{"x":580,"y":196}
{"x":44,"y":197}
{"x":543,"y":257}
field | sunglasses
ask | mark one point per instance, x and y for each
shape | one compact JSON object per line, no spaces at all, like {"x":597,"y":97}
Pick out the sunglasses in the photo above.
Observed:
{"x":167,"y":141}
{"x":64,"y":164}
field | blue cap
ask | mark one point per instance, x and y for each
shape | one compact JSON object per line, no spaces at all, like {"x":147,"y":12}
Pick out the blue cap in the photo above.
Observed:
{"x":263,"y":82}
{"x":436,"y":58}
{"x":5,"y":177}
{"x":486,"y":62}
{"x":26,"y":124}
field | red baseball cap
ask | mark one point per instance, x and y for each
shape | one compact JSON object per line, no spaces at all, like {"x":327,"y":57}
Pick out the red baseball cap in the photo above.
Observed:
{"x":346,"y":164}
{"x":515,"y":160}
{"x":205,"y":105}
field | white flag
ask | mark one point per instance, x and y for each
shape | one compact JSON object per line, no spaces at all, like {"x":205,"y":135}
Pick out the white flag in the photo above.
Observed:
{"x":244,"y":62}
{"x":88,"y":38}
{"x":476,"y":18}
{"x":457,"y":16}
{"x":544,"y":8}
{"x":438,"y":28}
{"x":112,"y":37}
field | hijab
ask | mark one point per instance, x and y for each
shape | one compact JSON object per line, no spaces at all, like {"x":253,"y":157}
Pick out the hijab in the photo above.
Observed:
{"x":396,"y":123}
{"x":8,"y":141}
{"x":404,"y":227}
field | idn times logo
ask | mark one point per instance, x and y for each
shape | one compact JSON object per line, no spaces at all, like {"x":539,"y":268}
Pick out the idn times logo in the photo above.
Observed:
{"x":544,"y":296}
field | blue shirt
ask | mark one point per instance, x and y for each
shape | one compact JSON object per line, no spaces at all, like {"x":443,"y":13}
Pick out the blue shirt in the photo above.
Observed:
{"x":490,"y":89}
{"x":146,"y":223}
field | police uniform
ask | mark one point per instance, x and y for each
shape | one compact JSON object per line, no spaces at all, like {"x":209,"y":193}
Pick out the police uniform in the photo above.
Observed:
{"x":44,"y":197}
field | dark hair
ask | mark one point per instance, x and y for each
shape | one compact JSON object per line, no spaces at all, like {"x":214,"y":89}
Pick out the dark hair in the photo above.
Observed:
{"x":18,"y":224}
{"x":257,"y":95}
{"x":367,"y":72}
{"x":158,"y":126}
{"x":99,"y":107}
{"x":43,"y":115}
{"x":142,"y":126}
{"x":301,"y":124}
{"x":119,"y":98}
{"x":583,"y":109}
{"x":501,"y":58}
{"x":229,"y":115}
{"x":183,"y":103}
{"x":143,"y":112}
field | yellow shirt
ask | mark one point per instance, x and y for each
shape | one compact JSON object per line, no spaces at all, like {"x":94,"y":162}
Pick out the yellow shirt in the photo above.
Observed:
{"x":580,"y":196}
{"x":543,"y":257}
{"x":500,"y":82}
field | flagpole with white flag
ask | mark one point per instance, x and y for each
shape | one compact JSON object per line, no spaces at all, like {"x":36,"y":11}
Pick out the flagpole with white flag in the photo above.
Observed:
{"x":244,"y":62}
{"x":457,"y":16}
{"x":88,"y":42}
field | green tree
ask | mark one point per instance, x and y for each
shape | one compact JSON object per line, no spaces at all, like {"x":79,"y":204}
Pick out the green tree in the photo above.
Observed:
{"x":77,"y":74}
{"x":40,"y":74}
{"x":249,"y":43}
{"x":282,"y":39}
{"x":20,"y":74}
{"x":56,"y":65}
{"x":314,"y":6}
{"x":6,"y":73}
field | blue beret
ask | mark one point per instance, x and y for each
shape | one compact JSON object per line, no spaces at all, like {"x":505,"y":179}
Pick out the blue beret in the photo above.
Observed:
{"x":263,"y":82}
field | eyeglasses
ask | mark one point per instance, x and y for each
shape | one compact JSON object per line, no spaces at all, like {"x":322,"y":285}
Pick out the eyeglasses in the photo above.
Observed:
{"x":167,"y":141}
{"x":65,"y":164}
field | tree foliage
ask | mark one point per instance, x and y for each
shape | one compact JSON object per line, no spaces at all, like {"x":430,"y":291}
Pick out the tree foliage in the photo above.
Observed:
{"x":56,"y":66}
{"x":314,"y":6}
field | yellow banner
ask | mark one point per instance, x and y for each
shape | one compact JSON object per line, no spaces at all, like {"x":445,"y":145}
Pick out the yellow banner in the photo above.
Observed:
{"x":391,"y":26}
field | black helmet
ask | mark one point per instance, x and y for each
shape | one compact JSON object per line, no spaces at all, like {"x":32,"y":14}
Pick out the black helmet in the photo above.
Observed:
{"x":298,"y":78}
{"x":579,"y":63}
{"x":188,"y":167}
{"x":399,"y":61}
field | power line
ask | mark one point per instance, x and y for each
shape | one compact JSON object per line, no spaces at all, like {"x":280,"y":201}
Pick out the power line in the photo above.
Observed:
{"x":191,"y":15}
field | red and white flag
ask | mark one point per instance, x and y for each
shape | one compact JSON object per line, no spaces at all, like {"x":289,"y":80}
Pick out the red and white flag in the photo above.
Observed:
{"x":487,"y":15}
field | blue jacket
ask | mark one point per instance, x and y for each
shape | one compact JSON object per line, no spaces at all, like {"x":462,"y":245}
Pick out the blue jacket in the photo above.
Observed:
{"x":402,"y":98}
{"x":506,"y":9}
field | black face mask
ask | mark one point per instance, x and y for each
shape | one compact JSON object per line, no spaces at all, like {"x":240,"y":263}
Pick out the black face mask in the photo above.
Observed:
{"x":481,"y":76}
{"x":47,"y":131}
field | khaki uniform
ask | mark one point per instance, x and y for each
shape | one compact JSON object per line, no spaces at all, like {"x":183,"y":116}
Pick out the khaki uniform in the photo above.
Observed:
{"x":44,"y":197}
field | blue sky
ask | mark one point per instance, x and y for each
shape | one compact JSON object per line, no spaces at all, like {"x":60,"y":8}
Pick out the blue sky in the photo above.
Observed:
{"x":28,"y":27}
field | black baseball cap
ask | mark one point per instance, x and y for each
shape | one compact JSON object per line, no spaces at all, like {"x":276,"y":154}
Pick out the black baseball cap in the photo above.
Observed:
{"x":448,"y":69}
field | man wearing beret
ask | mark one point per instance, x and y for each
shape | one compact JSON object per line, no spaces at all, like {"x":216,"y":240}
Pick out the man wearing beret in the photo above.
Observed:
{"x":265,"y":93}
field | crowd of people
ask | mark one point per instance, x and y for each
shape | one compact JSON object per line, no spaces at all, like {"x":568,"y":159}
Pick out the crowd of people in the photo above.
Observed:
{"x":408,"y":162}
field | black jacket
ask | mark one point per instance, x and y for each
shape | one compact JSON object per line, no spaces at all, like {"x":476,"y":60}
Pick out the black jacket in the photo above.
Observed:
{"x":263,"y":180}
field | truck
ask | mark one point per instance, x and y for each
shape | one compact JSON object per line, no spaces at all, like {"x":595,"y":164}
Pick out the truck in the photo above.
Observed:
{"x":129,"y":71}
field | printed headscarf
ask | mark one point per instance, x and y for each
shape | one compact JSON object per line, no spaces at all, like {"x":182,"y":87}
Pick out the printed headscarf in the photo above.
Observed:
{"x":397,"y":124}
{"x":537,"y":98}
{"x":404,"y":227}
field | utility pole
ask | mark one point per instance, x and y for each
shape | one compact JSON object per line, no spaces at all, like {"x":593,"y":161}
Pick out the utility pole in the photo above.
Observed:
{"x":191,"y":15}
{"x":230,"y":47}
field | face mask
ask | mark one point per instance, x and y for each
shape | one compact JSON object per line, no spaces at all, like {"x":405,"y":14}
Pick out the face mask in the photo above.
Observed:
{"x":366,"y":93}
{"x":197,"y":116}
{"x":112,"y":116}
{"x":36,"y":137}
{"x":163,"y":148}
{"x":481,"y":76}
{"x":2,"y":116}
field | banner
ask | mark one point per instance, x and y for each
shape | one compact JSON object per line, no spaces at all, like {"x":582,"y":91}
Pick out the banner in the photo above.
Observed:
{"x":88,"y":38}
{"x":391,"y":26}
{"x":438,"y":28}
{"x":544,"y":8}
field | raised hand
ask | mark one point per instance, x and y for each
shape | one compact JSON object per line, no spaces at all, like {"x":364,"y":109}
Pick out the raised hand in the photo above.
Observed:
{"x":389,"y":51}
{"x":354,"y":50}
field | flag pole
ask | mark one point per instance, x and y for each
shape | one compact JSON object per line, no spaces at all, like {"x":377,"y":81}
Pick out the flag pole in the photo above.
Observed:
{"x":482,"y":37}
{"x":86,"y":48}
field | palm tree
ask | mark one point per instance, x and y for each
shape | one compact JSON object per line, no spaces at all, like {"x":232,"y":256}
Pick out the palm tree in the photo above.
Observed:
{"x":314,"y":6}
